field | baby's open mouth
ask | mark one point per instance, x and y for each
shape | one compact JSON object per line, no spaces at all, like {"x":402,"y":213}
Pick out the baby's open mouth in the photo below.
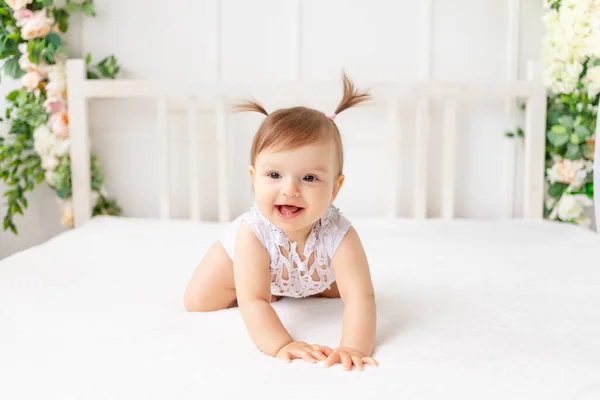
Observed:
{"x":288,"y":211}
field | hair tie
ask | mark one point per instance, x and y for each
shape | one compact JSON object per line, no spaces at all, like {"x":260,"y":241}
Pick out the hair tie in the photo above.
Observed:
{"x":332,"y":116}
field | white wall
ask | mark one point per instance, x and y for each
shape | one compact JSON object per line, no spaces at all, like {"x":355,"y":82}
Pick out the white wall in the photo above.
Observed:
{"x":371,"y":40}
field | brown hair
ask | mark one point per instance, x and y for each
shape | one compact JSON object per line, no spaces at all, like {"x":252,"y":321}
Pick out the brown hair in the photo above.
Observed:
{"x":289,"y":128}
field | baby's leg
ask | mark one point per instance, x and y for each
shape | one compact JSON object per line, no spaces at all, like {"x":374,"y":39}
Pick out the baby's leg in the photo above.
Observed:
{"x":211,"y":287}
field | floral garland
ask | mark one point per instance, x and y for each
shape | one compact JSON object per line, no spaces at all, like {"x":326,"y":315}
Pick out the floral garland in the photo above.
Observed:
{"x":571,"y":62}
{"x":37,"y":145}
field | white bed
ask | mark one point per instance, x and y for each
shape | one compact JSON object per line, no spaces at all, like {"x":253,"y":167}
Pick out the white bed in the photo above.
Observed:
{"x":466,"y":310}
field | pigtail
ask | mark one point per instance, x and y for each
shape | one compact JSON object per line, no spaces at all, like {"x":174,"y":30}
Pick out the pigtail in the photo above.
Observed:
{"x":252,"y":106}
{"x":351,"y":95}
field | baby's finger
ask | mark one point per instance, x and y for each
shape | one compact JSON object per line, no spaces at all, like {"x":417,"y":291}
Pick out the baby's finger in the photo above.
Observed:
{"x":346,"y":361}
{"x":358,"y":363}
{"x":332,"y":359}
{"x":323,"y":349}
{"x":370,"y":361}
{"x":318,"y":355}
{"x":306,"y":356}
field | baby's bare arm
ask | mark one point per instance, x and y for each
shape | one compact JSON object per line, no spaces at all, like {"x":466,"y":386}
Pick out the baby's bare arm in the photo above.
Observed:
{"x":252,"y":277}
{"x":351,"y":270}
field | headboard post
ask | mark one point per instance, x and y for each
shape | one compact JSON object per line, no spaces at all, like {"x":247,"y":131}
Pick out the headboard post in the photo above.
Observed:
{"x":535,"y":139}
{"x":81,"y":180}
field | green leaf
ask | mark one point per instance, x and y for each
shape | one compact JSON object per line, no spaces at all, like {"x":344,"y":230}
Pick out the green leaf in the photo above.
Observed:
{"x":573,"y":152}
{"x":556,"y":139}
{"x":92,"y":75}
{"x":88,"y":59}
{"x":88,"y":9}
{"x":575,"y":139}
{"x":12,"y":69}
{"x":553,"y":117}
{"x":556,"y":189}
{"x":586,"y":151}
{"x":582,"y":131}
{"x":54,"y":40}
{"x":589,"y":189}
{"x":12,"y":96}
{"x":48,"y":3}
{"x":566,"y":121}
{"x":62,"y":193}
{"x":597,"y":62}
{"x":73,"y":7}
{"x":560,"y":129}
{"x":63,"y":24}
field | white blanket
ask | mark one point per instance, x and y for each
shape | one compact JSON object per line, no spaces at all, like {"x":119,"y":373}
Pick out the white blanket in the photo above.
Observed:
{"x":466,"y":310}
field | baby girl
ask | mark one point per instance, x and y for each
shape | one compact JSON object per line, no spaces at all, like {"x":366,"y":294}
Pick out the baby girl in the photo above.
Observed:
{"x":293,"y":242}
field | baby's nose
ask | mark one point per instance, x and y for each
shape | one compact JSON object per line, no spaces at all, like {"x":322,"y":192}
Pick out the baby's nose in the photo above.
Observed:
{"x":290,"y":189}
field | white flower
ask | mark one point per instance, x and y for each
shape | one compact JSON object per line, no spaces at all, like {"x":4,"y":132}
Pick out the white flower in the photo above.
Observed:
{"x":41,"y":137}
{"x":31,"y":80}
{"x":49,"y":163}
{"x":46,"y":143}
{"x":57,"y":81}
{"x":57,"y":73}
{"x":592,"y":79}
{"x":573,"y":206}
{"x":569,"y":171}
{"x":583,"y":221}
{"x":18,"y":4}
{"x":572,"y":35}
{"x":37,"y":26}
{"x":61,"y":147}
{"x":49,"y":175}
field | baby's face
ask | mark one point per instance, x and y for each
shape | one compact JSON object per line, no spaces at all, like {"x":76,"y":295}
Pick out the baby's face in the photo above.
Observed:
{"x":293,"y":188}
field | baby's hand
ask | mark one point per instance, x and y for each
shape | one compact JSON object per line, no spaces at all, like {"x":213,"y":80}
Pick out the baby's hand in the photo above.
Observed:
{"x":305,"y":351}
{"x":349,"y":357}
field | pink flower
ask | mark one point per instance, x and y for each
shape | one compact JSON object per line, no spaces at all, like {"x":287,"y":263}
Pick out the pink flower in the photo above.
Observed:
{"x":572,"y":172}
{"x":22,"y":16}
{"x":60,"y":124}
{"x":54,"y":105}
{"x":31,"y":80}
{"x":38,"y":25}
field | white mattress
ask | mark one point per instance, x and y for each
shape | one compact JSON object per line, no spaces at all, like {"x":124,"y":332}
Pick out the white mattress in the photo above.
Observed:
{"x":466,"y":310}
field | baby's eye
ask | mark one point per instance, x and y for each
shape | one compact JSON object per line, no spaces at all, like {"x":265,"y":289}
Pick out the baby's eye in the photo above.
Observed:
{"x":274,"y":175}
{"x":310,"y":178}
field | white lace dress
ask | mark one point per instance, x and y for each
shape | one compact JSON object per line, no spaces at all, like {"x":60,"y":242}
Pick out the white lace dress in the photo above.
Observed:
{"x":291,"y":275}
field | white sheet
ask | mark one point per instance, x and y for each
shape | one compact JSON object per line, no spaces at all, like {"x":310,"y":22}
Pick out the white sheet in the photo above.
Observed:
{"x":466,"y":310}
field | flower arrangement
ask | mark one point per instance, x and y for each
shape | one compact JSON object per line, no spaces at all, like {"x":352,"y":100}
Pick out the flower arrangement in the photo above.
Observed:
{"x":571,"y":62}
{"x":36,"y":147}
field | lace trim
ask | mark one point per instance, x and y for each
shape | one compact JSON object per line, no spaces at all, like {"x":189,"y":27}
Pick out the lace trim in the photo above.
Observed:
{"x":291,"y":276}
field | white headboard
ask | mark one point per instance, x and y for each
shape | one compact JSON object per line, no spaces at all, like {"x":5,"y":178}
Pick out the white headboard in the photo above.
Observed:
{"x":216,"y":96}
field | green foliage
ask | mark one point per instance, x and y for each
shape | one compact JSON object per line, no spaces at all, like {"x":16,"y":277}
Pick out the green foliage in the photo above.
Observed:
{"x":20,"y":165}
{"x":570,"y":126}
{"x":105,"y":68}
